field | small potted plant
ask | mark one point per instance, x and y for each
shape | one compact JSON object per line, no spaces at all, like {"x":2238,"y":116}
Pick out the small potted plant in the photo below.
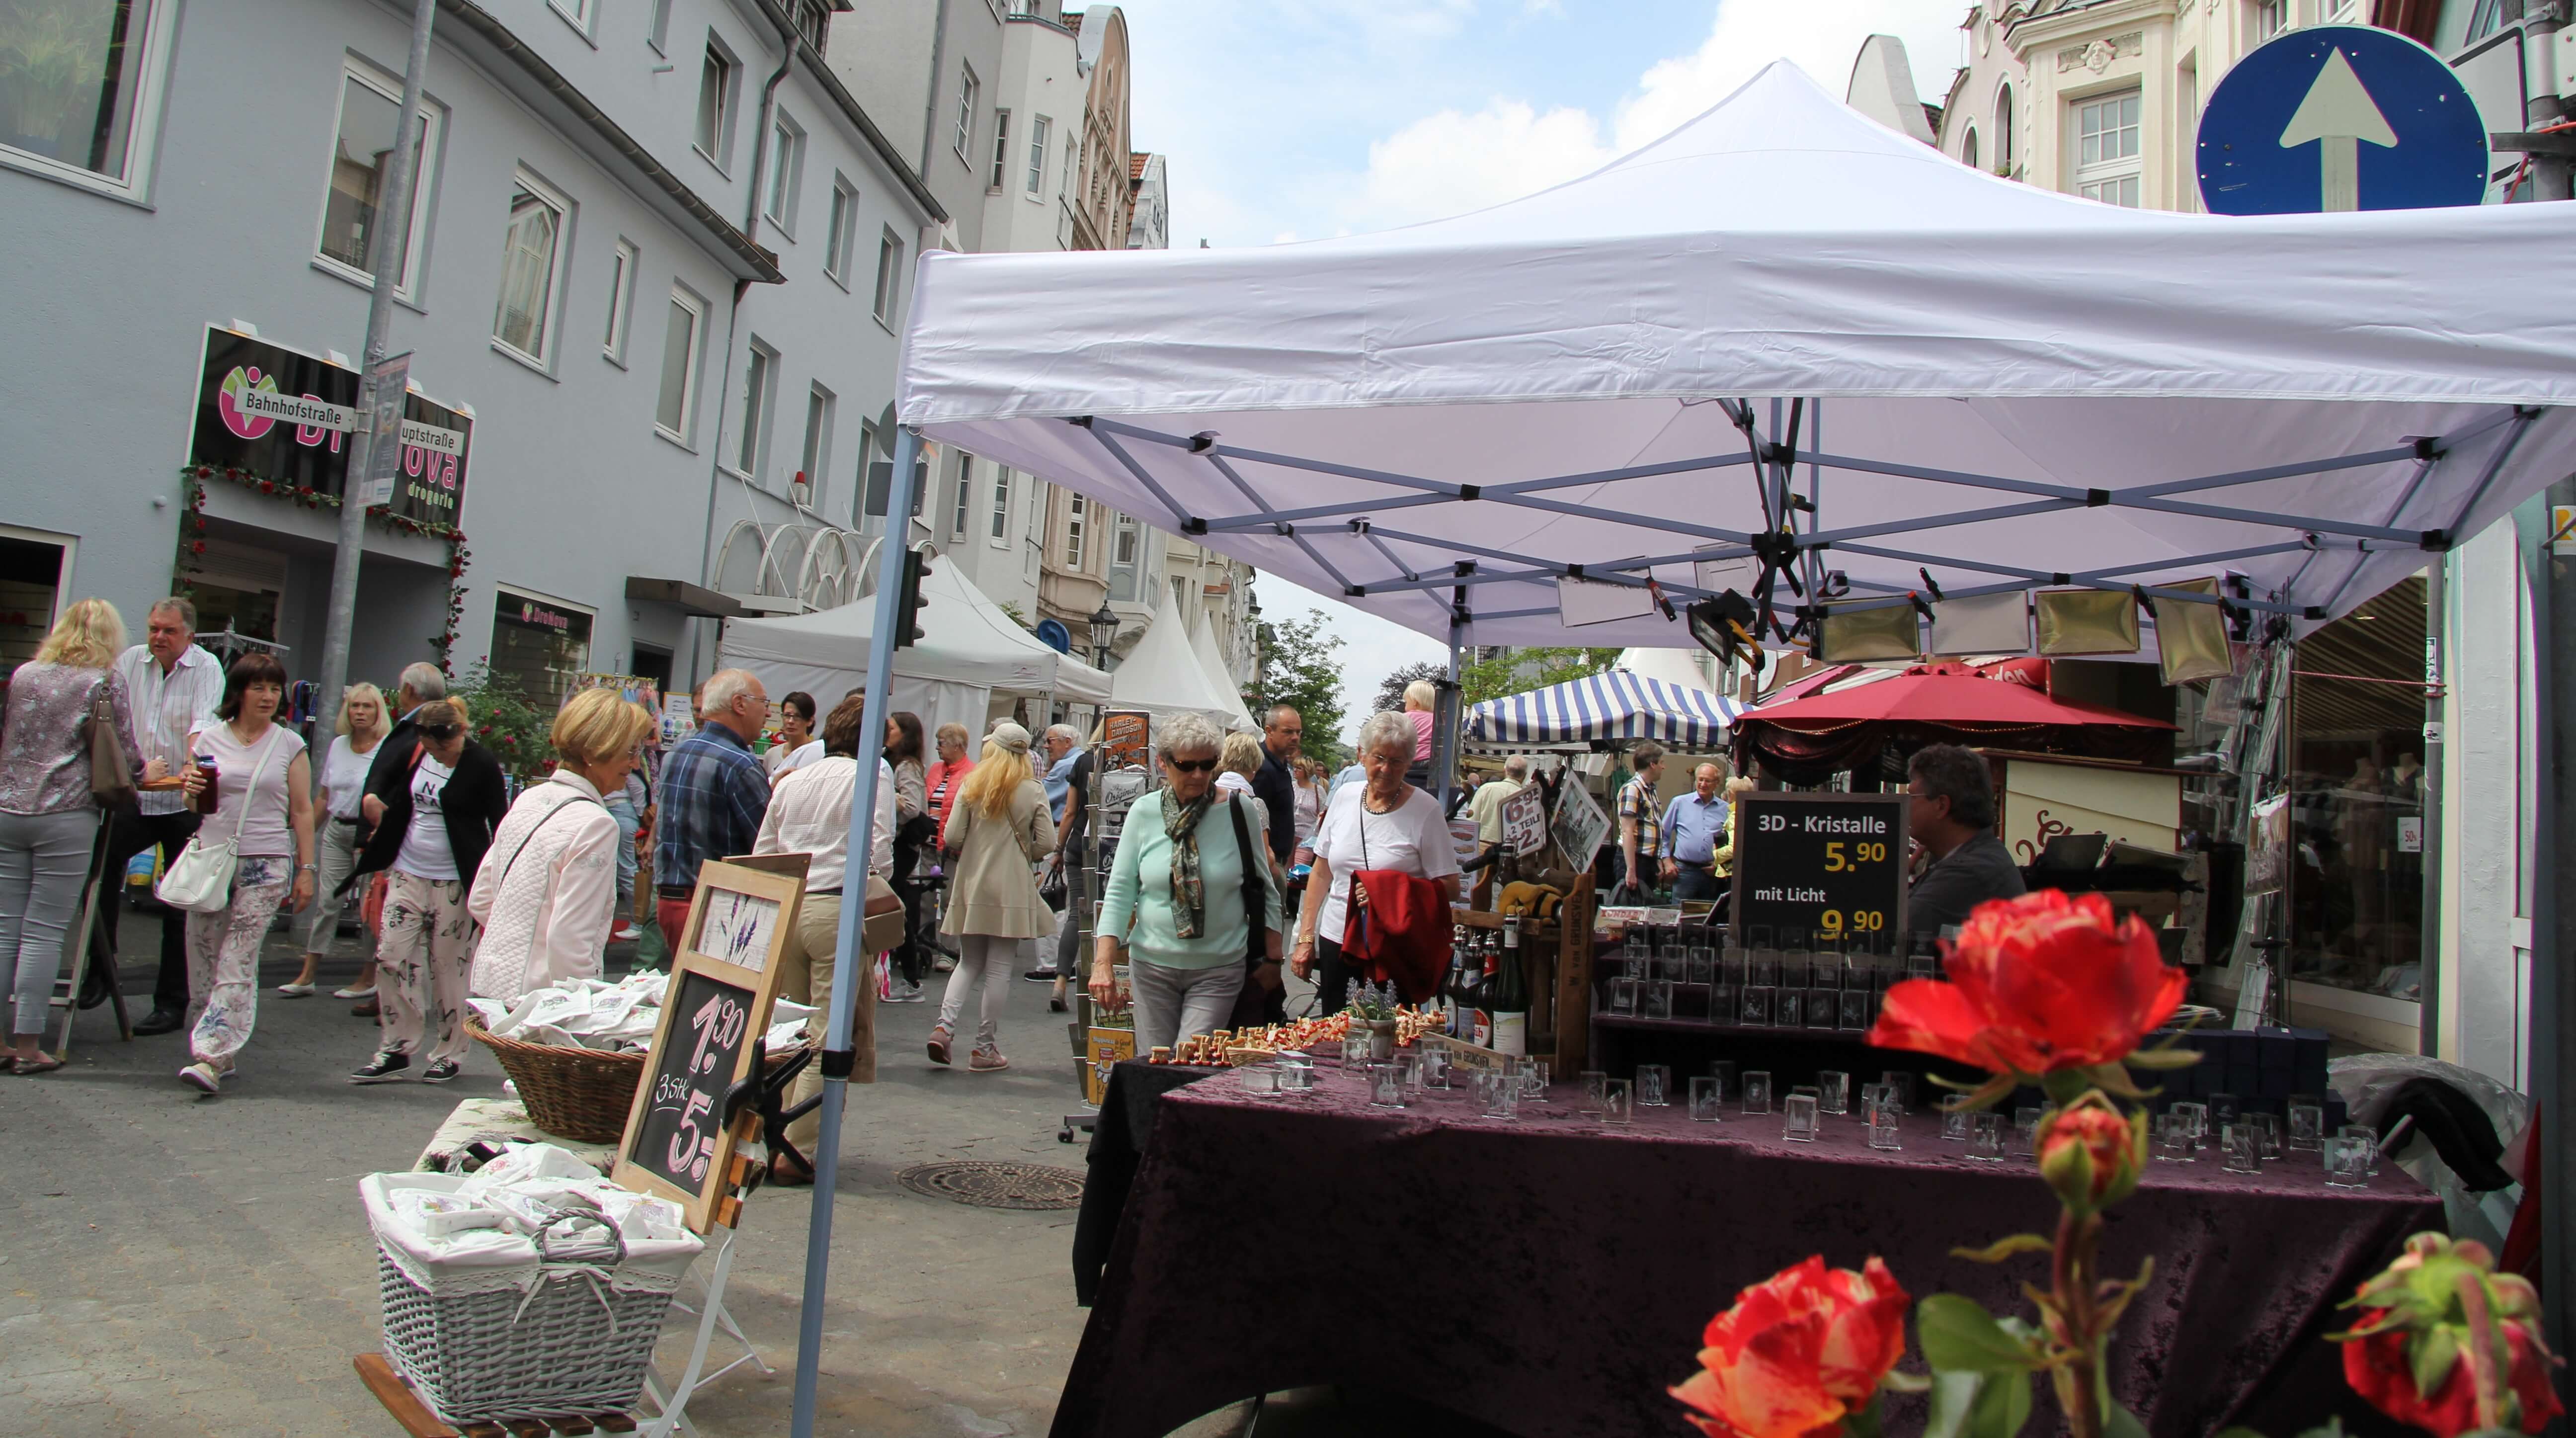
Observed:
{"x":1373,"y":1010}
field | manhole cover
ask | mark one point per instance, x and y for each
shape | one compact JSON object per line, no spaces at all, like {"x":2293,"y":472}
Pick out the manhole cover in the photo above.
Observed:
{"x":996,"y":1185}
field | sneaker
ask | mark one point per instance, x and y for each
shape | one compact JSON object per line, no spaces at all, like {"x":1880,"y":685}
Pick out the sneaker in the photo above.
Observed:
{"x":441,"y":1071}
{"x":1040,"y":976}
{"x":939,"y":1045}
{"x":944,"y":964}
{"x":368,"y":992}
{"x":202,"y":1077}
{"x":383,"y":1068}
{"x":625,"y":934}
{"x":296,"y":991}
{"x":986,"y":1061}
{"x":905,"y":993}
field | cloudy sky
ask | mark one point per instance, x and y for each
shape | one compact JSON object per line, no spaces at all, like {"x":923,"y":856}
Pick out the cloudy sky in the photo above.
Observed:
{"x":1300,"y":119}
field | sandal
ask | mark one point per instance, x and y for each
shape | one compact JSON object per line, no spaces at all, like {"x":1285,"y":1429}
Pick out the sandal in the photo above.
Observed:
{"x":40,"y":1064}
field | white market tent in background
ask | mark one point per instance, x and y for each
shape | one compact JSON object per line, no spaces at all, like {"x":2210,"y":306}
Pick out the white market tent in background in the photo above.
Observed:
{"x":1211,"y":663}
{"x":970,"y":652}
{"x":1163,"y":675}
{"x":1627,"y":375}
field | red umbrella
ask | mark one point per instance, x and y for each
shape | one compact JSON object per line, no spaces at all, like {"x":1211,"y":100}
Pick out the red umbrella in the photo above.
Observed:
{"x":1942,"y":696}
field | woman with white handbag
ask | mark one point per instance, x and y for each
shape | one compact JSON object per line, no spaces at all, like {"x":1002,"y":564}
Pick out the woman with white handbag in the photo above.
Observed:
{"x":254,"y":784}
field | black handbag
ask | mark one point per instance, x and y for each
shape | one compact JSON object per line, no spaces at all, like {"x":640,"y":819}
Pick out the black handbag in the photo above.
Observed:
{"x":1256,"y":1003}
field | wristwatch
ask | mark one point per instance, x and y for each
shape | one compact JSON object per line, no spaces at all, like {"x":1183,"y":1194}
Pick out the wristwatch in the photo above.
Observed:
{"x":308,"y":868}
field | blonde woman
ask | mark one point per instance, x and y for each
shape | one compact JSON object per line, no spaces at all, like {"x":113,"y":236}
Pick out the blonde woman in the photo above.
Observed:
{"x":342,"y":783}
{"x":998,"y":826}
{"x":48,"y":822}
{"x":545,"y":893}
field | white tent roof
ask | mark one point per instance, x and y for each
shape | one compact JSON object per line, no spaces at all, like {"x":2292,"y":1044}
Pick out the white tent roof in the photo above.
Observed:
{"x":1220,"y":678}
{"x":1689,"y":668}
{"x":967,"y":640}
{"x":1162,"y":674}
{"x":2001,"y":385}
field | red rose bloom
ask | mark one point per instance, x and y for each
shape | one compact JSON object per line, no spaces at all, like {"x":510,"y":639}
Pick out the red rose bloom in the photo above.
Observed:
{"x":2378,"y":1368}
{"x":2037,"y":984}
{"x":1797,"y":1352}
{"x":2091,"y":1153}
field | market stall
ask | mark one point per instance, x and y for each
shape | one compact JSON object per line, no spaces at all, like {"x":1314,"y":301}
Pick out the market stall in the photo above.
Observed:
{"x":1848,"y":730}
{"x":1164,"y":674}
{"x":1616,"y":704}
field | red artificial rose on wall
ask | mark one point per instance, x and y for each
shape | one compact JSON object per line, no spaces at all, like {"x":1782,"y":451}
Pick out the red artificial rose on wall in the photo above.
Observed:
{"x":2037,"y":984}
{"x":1797,"y":1352}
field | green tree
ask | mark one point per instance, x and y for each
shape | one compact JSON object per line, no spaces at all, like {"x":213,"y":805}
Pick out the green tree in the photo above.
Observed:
{"x":1299,"y":666}
{"x":1521,"y":670}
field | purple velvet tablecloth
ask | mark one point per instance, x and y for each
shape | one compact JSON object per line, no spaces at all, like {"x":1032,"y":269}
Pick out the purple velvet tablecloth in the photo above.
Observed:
{"x":1551,"y":1275}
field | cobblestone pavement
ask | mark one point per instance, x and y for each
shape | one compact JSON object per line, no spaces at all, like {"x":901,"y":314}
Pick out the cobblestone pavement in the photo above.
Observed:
{"x":177,"y":1265}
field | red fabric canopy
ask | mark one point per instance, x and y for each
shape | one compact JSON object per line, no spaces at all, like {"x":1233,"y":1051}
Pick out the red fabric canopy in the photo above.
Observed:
{"x":1943,"y":695}
{"x":1805,"y":740}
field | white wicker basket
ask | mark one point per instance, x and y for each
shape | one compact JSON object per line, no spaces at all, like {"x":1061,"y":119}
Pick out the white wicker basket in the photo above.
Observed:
{"x":565,"y":1329}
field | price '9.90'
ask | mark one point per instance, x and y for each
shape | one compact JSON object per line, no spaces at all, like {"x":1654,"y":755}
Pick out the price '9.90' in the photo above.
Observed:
{"x":1863,"y":921}
{"x":1840,"y":857}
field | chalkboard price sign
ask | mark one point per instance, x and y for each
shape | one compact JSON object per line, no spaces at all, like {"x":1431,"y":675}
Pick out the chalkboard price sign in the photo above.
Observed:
{"x":1830,"y":867}
{"x":677,"y":1141}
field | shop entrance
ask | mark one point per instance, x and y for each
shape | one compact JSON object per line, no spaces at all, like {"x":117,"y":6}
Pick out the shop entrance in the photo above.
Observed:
{"x":541,"y":642}
{"x":35,"y":572}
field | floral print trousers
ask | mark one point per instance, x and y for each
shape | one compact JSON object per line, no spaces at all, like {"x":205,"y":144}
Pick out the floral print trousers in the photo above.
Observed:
{"x":223,"y":961}
{"x":424,"y":961}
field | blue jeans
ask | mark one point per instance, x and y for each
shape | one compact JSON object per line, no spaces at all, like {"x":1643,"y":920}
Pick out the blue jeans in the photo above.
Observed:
{"x":1694,"y":882}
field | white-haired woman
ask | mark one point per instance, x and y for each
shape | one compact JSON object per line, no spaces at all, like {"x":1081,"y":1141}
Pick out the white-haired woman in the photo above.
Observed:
{"x":48,"y":822}
{"x":341,"y":784}
{"x":998,"y":827}
{"x":1383,"y":823}
{"x":1179,"y":900}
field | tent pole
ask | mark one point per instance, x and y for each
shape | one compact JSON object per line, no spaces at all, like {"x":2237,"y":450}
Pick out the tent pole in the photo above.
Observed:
{"x":1444,"y":747}
{"x":838,"y":1058}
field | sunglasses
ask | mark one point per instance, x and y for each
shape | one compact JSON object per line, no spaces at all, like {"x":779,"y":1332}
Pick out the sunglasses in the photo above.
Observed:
{"x":442,"y":732}
{"x":1192,"y":766}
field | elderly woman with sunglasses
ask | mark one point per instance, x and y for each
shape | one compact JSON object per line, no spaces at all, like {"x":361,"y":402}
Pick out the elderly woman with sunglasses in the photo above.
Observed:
{"x":1380,"y":823}
{"x":1177,"y":895}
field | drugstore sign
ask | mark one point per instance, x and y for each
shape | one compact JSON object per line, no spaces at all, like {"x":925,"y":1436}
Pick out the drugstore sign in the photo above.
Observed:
{"x":281,"y":415}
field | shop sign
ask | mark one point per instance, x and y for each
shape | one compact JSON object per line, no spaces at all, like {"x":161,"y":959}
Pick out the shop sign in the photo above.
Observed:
{"x":2410,"y":834}
{"x":531,"y":612}
{"x":1525,"y":821}
{"x":281,"y":415}
{"x":1828,"y":866}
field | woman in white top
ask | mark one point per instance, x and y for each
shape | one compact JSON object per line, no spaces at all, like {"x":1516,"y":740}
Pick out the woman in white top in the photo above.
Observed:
{"x":1385,"y":823}
{"x":363,"y":725}
{"x":546,"y":892}
{"x":262,"y":804}
{"x":797,"y":745}
{"x":809,"y":813}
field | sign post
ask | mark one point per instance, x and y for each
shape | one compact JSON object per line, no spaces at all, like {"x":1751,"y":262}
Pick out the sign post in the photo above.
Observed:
{"x":1831,"y":866}
{"x":389,"y":384}
{"x":2340,"y":117}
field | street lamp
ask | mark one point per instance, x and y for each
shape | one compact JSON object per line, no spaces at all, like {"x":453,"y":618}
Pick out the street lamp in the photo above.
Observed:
{"x":1104,"y":630}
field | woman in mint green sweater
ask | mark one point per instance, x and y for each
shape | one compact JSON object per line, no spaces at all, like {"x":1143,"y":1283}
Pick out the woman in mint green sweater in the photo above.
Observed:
{"x":1175,"y":900}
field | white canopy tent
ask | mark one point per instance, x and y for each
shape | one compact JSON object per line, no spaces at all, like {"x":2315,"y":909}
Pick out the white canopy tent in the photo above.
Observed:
{"x":1655,"y":370}
{"x":970,"y":652}
{"x":1162,"y":674}
{"x":1220,"y":675}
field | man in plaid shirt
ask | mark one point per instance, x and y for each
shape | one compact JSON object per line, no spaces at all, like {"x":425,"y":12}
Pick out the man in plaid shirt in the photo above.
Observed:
{"x":714,"y":792}
{"x":1641,"y":820}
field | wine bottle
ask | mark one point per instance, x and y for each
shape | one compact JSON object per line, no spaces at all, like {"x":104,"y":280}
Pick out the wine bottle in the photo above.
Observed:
{"x":1485,"y":975}
{"x":1453,"y":988}
{"x":1509,"y":1000}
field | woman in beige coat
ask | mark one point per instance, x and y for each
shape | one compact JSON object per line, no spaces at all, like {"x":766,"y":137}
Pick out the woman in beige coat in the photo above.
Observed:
{"x":997,"y":828}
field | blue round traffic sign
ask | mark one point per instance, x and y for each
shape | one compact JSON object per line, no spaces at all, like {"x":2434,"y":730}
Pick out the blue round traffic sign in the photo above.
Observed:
{"x":1053,"y":634}
{"x":2340,"y":117}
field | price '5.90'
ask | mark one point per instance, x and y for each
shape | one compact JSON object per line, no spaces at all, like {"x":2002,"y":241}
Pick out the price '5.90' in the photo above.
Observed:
{"x":1864,"y":852}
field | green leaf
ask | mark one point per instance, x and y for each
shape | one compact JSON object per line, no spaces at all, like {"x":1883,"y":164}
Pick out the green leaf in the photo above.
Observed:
{"x":2434,"y":1356}
{"x":2119,"y":1422}
{"x":1862,"y":1422}
{"x":2003,"y":1248}
{"x":2333,"y":1429}
{"x":1959,"y":1334}
{"x":1978,"y":1405}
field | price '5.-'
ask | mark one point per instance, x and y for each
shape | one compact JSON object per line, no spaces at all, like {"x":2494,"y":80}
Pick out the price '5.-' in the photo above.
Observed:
{"x":1864,"y":852}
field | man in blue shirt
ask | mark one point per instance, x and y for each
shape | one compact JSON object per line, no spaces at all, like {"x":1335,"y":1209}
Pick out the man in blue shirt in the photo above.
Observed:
{"x":714,"y":793}
{"x":1695,"y":828}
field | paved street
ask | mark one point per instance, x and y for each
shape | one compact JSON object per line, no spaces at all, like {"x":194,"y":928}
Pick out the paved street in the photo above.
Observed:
{"x":181,"y":1266}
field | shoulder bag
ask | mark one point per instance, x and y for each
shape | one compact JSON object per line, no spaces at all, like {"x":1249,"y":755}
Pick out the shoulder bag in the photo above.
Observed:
{"x":111,"y":778}
{"x":200,"y":880}
{"x":1262,"y":989}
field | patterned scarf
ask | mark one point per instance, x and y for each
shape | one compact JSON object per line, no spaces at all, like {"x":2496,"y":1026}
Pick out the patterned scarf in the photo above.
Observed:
{"x":1189,"y":895}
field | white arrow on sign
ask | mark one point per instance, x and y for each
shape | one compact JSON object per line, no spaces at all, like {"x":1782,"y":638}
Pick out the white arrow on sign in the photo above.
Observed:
{"x":2338,"y":114}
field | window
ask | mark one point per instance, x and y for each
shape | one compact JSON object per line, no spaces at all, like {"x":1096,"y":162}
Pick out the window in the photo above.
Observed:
{"x":814,"y":21}
{"x":867,"y":492}
{"x":889,"y":275}
{"x":1124,"y":545}
{"x":2106,"y":149}
{"x":529,"y":251}
{"x":542,"y":642}
{"x":1038,"y":155}
{"x":658,"y":33}
{"x":1968,"y":149}
{"x":676,"y":414}
{"x":786,"y":167}
{"x":1073,"y":517}
{"x":361,"y":163}
{"x":818,"y":442}
{"x":715,"y":106}
{"x":962,"y":516}
{"x":576,"y":12}
{"x":2271,"y":17}
{"x":1001,"y":534}
{"x":757,"y":376}
{"x":2004,"y":131}
{"x":621,"y":300}
{"x":968,"y":92}
{"x":80,"y":84}
{"x":836,"y":245}
{"x":2342,"y":12}
{"x":1001,"y":149}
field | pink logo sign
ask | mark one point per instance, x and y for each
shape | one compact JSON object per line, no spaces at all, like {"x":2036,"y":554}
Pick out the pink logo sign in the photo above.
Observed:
{"x":228,"y":402}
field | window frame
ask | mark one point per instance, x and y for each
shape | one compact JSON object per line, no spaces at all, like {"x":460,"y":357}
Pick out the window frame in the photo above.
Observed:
{"x":149,"y":73}
{"x":2004,"y":128}
{"x":1034,"y":171}
{"x":2128,"y":169}
{"x":998,"y":534}
{"x":786,"y":177}
{"x":551,"y":319}
{"x":887,"y":299}
{"x":961,"y":516}
{"x":970,"y":91}
{"x":657,"y":28}
{"x":581,"y":15}
{"x":433,"y":128}
{"x":621,"y":300}
{"x":1001,"y":151}
{"x":727,"y":92}
{"x":759,"y":408}
{"x":821,"y":406}
{"x":841,"y":231}
{"x":1074,"y":516}
{"x":683,"y":298}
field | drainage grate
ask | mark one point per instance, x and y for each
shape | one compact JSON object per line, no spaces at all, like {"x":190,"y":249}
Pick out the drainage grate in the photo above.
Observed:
{"x":996,"y":1185}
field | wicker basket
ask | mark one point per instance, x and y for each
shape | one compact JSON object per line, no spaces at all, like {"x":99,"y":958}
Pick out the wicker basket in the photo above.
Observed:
{"x":579,"y":1094}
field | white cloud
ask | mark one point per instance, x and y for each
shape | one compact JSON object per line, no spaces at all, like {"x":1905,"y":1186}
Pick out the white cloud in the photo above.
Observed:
{"x":1449,"y":163}
{"x":1372,"y":648}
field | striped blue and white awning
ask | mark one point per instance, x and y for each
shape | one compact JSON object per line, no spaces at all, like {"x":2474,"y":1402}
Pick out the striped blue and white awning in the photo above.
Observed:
{"x":1615,"y":704}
